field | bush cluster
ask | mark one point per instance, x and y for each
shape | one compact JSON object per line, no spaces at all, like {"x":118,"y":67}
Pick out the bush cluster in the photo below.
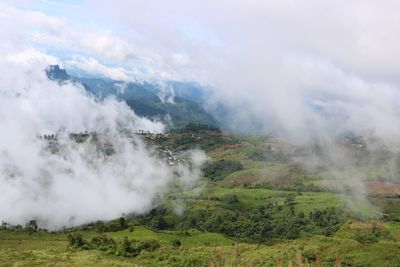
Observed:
{"x":217,"y":170}
{"x":273,"y":220}
{"x":126,"y":248}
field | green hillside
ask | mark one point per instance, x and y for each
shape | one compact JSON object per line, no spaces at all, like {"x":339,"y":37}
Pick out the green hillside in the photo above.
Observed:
{"x":255,"y":206}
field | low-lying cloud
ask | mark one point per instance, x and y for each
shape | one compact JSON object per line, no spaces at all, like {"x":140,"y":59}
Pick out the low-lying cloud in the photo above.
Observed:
{"x":46,"y":175}
{"x":304,"y":70}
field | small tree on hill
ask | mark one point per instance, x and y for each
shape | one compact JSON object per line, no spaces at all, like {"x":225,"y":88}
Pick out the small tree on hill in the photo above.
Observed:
{"x":31,"y":226}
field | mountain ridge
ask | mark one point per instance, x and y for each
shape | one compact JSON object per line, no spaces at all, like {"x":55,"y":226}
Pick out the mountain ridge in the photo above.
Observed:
{"x":176,"y":105}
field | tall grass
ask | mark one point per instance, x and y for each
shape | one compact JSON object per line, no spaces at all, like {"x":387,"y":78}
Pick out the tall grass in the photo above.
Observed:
{"x":220,"y":258}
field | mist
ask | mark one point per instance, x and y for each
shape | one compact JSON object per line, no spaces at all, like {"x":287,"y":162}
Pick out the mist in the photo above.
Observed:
{"x":301,"y":70}
{"x":298,"y":69}
{"x":61,"y":182}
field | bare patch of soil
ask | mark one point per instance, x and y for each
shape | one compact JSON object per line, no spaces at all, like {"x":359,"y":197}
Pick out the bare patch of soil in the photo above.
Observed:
{"x":382,"y":188}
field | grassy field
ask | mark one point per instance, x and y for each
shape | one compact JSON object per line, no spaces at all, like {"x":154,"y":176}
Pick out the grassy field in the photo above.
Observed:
{"x":201,"y":249}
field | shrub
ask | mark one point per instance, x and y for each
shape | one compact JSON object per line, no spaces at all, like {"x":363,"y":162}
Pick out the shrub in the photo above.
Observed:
{"x":309,"y":255}
{"x":176,"y":243}
{"x":128,"y":249}
{"x":218,"y":170}
{"x":367,"y":239}
{"x":132,"y":248}
{"x":149,"y":245}
{"x":76,"y":240}
{"x":231,"y":199}
{"x":113,"y":226}
{"x":158,"y":223}
{"x":103,"y":243}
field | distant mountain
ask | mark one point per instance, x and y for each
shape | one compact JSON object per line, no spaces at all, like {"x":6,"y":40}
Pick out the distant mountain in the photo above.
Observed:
{"x":175,"y":103}
{"x":54,"y":72}
{"x":190,"y":91}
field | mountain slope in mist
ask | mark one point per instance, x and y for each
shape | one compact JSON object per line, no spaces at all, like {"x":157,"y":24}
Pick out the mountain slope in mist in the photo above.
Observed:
{"x":176,"y":104}
{"x":49,"y":173}
{"x":255,"y":189}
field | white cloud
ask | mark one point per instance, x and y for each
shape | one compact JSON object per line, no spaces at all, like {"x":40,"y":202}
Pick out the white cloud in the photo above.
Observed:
{"x":31,"y":56}
{"x":108,"y":46}
{"x":78,"y":183}
{"x":274,"y":64}
{"x":276,"y":57}
{"x":180,"y":59}
{"x":272,"y":57}
{"x":92,"y":66}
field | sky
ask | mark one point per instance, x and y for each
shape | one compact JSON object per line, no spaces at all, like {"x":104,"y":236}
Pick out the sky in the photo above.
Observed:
{"x":358,"y":37}
{"x":173,"y":37}
{"x":294,"y":65}
{"x":300,"y":69}
{"x":90,"y":37}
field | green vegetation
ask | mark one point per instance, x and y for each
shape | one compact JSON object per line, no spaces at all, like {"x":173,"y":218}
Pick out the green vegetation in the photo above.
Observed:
{"x":218,"y":170}
{"x":196,"y":249}
{"x":258,"y":207}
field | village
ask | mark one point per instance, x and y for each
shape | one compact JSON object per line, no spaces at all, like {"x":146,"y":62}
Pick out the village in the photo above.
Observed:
{"x":154,"y":140}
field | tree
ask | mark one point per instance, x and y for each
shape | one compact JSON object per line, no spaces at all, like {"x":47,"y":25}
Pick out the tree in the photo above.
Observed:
{"x":123,"y":223}
{"x":31,"y":226}
{"x":158,"y":223}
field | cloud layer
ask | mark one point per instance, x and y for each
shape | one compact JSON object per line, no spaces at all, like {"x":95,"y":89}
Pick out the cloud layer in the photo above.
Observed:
{"x":61,"y":182}
{"x":301,"y":69}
